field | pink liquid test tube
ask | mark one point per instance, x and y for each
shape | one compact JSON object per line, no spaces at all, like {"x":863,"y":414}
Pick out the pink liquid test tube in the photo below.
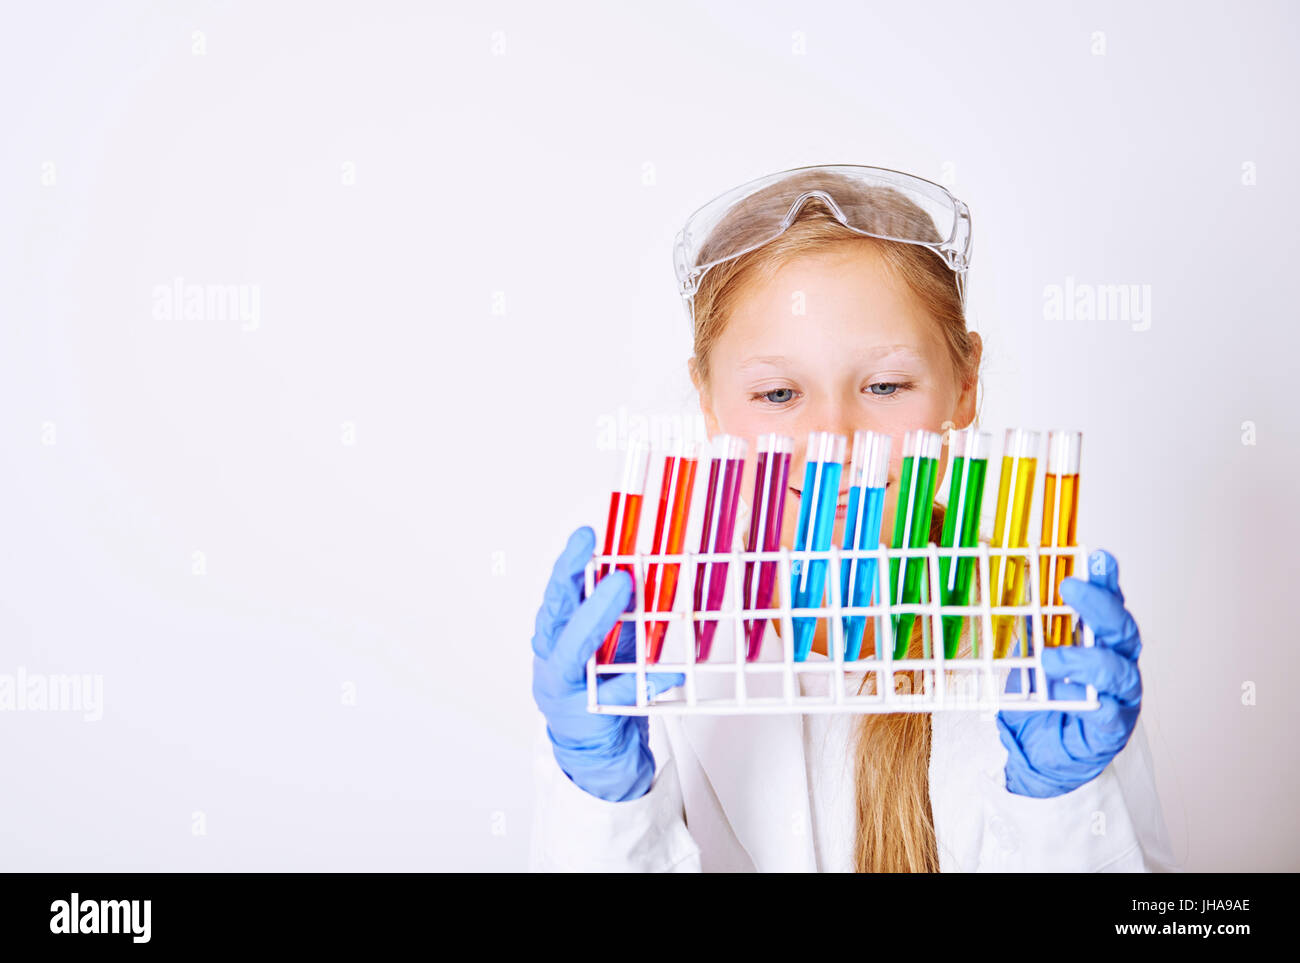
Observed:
{"x":771,"y":479}
{"x":726,"y":467}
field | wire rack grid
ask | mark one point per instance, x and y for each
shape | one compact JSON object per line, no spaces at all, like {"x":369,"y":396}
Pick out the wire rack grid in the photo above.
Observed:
{"x":977,"y":682}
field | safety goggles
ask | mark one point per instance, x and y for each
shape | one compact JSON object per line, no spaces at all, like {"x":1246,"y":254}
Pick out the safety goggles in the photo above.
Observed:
{"x":924,"y":213}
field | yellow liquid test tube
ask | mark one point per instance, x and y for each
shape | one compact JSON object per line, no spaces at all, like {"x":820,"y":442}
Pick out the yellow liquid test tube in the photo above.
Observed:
{"x":1011,"y":530}
{"x":1060,"y":511}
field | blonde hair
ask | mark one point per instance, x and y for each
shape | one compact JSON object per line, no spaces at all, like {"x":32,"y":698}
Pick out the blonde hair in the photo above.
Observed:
{"x":895,"y":826}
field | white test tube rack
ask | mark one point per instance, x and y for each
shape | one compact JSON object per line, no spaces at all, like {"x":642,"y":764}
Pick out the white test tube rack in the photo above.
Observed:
{"x":969,"y":683}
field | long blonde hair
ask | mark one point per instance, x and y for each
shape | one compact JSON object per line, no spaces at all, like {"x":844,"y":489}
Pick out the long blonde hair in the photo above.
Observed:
{"x":895,"y":825}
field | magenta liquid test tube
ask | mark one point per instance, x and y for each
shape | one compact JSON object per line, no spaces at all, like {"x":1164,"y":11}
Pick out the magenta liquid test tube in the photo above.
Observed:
{"x":726,"y":467}
{"x":771,"y":478}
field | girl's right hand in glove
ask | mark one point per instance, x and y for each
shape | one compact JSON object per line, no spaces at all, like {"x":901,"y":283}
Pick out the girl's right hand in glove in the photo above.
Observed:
{"x":606,"y":755}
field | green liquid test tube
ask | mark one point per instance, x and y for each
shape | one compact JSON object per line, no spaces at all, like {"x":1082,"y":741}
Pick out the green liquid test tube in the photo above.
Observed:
{"x":916,"y":486}
{"x":961,"y":527}
{"x":1011,"y":530}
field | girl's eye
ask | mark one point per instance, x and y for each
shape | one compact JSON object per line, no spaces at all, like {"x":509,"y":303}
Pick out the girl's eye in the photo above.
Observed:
{"x":881,"y":389}
{"x":786,"y":393}
{"x":893,"y":387}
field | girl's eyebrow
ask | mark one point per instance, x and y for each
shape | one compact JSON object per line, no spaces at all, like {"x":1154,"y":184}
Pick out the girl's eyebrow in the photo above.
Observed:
{"x":870,"y":354}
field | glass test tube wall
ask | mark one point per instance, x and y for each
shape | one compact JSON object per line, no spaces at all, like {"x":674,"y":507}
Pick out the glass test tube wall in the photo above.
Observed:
{"x":1060,"y":513}
{"x":676,"y":488}
{"x":726,"y":468}
{"x":961,"y":529}
{"x":868,"y":477}
{"x":621,"y":529}
{"x":1011,"y":530}
{"x":823,"y":464}
{"x":771,"y":479}
{"x":917,"y":480}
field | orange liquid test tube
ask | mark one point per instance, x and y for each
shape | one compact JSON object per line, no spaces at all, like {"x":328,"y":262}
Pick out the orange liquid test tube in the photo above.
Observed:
{"x":621,"y":529}
{"x":1060,"y":513}
{"x":670,"y":533}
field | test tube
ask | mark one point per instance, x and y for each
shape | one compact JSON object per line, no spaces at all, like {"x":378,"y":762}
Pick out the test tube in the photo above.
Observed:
{"x":1060,"y":510}
{"x":726,"y":467}
{"x":823,"y":465}
{"x":1011,"y":530}
{"x":771,"y":479}
{"x":675,"y":492}
{"x":917,"y":481}
{"x":621,"y":529}
{"x":961,"y":526}
{"x":868,"y":476}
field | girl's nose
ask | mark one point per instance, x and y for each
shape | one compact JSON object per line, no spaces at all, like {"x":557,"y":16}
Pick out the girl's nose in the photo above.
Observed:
{"x":839,"y":417}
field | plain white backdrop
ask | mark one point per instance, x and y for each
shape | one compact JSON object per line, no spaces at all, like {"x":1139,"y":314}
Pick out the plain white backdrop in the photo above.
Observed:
{"x":302,"y":545}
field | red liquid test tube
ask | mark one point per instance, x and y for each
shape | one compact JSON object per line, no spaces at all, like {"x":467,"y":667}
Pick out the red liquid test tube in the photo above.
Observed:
{"x":670,"y":533}
{"x":771,"y":479}
{"x":621,"y":529}
{"x":726,"y":468}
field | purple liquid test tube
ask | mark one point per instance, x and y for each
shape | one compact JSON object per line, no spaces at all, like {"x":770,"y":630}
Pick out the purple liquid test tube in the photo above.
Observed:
{"x":771,"y":478}
{"x":726,"y":467}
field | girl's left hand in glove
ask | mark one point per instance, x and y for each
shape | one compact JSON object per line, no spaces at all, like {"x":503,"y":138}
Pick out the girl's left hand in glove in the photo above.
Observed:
{"x":1052,"y":753}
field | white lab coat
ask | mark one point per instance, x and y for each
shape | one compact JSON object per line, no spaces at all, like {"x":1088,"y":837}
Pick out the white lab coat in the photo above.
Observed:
{"x":730,"y":794}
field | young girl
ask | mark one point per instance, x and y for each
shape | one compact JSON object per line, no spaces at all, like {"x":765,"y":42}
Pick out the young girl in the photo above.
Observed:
{"x":832,"y":298}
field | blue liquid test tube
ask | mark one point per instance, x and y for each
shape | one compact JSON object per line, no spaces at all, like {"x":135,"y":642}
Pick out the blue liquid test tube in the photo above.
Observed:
{"x":868,"y":476}
{"x":823,"y":464}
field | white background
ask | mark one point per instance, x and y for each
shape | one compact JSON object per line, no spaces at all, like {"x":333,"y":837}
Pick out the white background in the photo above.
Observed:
{"x":494,"y":281}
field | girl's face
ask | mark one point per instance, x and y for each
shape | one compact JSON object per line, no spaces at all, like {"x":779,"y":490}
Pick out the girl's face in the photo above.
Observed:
{"x":832,"y":342}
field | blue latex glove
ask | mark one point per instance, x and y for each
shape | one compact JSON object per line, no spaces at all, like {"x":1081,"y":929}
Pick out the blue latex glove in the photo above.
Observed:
{"x":1052,"y":753}
{"x":606,"y":755}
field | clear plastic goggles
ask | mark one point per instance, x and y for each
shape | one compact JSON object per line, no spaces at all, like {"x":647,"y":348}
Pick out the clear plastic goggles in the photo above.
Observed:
{"x":877,"y":202}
